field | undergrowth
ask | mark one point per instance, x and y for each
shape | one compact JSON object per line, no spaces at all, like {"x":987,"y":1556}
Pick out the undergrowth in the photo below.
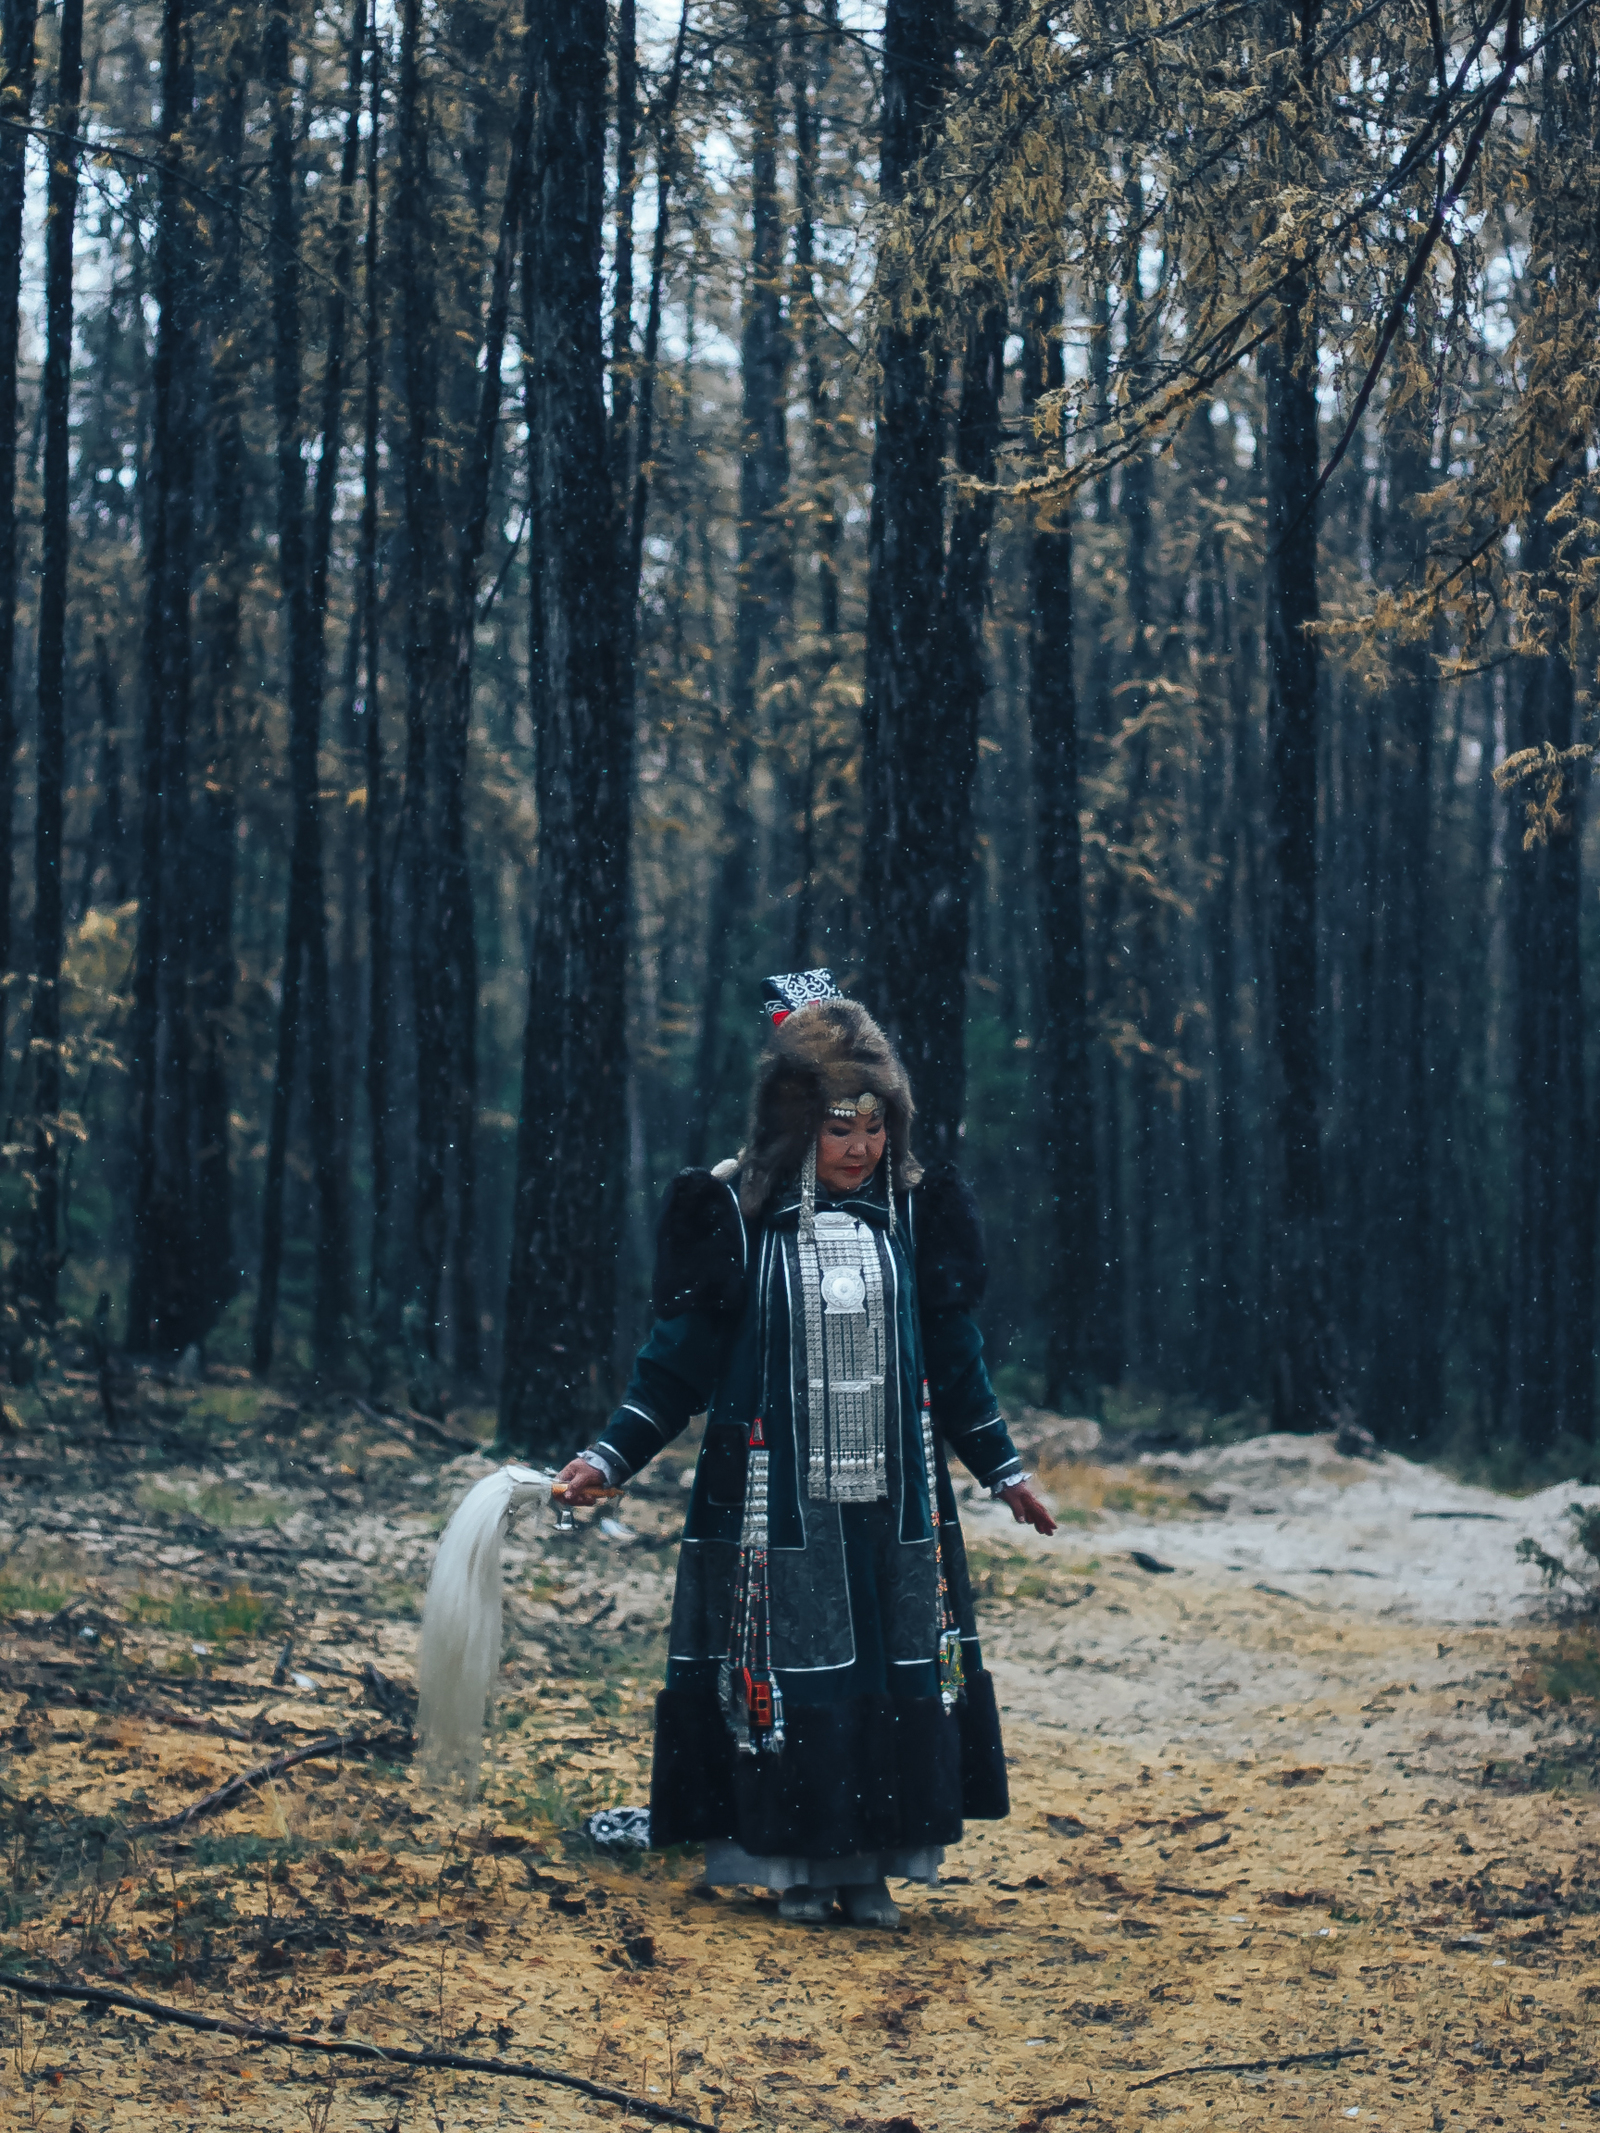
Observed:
{"x":1567,"y":1672}
{"x":216,"y":1502}
{"x":32,"y":1596}
{"x":240,"y":1613}
{"x":1139,"y":1417}
{"x":1147,"y":1418}
{"x":1577,"y":1581}
{"x":1002,"y":1573}
{"x":1491,"y":1459}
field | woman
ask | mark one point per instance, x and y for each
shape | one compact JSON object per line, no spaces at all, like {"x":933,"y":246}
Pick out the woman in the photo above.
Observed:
{"x":826,"y":1720}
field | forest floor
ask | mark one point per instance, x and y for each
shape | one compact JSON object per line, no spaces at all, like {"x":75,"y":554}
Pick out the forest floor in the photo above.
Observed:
{"x":1303,"y":1771}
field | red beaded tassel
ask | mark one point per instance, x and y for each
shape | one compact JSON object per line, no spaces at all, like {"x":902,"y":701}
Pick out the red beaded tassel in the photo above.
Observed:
{"x":747,"y":1685}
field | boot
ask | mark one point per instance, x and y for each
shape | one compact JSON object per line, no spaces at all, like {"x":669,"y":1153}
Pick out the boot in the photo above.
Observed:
{"x":807,"y":1906}
{"x":870,"y":1904}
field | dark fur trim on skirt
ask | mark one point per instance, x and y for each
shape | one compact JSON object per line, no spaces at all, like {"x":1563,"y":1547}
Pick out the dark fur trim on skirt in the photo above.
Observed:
{"x":875,"y":1774}
{"x":985,"y":1795}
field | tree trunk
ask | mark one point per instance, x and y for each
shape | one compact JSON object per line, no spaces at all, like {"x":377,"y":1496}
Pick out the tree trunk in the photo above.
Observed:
{"x":1304,"y":1390}
{"x":808,"y":85}
{"x":627,"y":124}
{"x":766,"y":561}
{"x":764,"y":610}
{"x":329,"y":1101}
{"x":765,"y":591}
{"x":1249,"y":731}
{"x":666,"y":176}
{"x":18,"y":21}
{"x":571,"y":1137}
{"x":292,"y":592}
{"x":1109,"y":1336}
{"x":1469,"y":1246}
{"x":1062,"y":1043}
{"x":1110,"y":1330}
{"x":637,"y":497}
{"x":1224,"y":1338}
{"x":347,"y":904}
{"x":1551,"y":1319}
{"x":164,"y":1289}
{"x":807,"y":308}
{"x":1144,"y":1001}
{"x":380,"y":1011}
{"x":726,"y":877}
{"x":419,"y":385}
{"x":110,"y":875}
{"x":938,"y":769}
{"x":50,"y":767}
{"x":1403,"y":1307}
{"x":903,"y":776}
{"x":303,"y":581}
{"x":216,"y":834}
{"x":1551,"y":1360}
{"x":1347,"y":942}
{"x":732,"y":891}
{"x":459,"y":979}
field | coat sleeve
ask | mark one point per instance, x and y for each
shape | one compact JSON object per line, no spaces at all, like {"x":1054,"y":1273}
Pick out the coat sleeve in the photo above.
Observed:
{"x":950,"y":1283}
{"x":697,"y":1294}
{"x":674,"y":1376}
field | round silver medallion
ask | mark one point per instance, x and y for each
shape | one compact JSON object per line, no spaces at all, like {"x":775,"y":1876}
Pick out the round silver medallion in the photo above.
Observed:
{"x":843,"y":1289}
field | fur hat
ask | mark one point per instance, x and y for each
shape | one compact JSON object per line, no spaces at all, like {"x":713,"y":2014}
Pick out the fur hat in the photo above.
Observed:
{"x":826,"y":1053}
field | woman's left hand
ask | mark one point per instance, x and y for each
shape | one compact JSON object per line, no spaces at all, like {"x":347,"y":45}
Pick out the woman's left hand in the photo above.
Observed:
{"x":1027,"y":1509}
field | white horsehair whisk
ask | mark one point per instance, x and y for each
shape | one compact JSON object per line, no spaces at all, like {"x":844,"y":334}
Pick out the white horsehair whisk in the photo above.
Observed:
{"x":461,"y":1616}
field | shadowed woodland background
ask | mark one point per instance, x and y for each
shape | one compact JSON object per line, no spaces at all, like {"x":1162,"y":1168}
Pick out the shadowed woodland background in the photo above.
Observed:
{"x":516,"y":520}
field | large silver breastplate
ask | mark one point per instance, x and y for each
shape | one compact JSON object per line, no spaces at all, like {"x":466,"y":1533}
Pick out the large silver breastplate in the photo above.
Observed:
{"x":848,"y":1346}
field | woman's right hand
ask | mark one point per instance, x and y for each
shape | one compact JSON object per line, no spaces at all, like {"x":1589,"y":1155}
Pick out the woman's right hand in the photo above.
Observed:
{"x":579,"y":1484}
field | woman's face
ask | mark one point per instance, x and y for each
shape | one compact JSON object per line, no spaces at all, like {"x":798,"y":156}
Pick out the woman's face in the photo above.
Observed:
{"x":849,"y":1150}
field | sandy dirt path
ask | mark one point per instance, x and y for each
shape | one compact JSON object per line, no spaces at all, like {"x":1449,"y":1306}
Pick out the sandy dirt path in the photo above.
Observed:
{"x":1296,"y":1837}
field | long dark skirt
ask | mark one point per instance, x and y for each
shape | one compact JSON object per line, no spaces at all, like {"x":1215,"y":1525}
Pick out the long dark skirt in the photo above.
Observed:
{"x":872,"y":1762}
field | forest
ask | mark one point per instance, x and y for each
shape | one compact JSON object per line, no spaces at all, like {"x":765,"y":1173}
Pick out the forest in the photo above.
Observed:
{"x":520,"y":517}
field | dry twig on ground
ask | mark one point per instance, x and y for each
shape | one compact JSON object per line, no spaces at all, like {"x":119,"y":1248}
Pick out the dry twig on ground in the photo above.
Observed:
{"x":237,"y":1787}
{"x":451,"y":1439}
{"x":1252,"y":2066}
{"x":354,"y":2048}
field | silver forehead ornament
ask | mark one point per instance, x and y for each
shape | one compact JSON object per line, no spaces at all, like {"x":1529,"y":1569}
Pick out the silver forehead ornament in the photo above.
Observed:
{"x":866,"y":1106}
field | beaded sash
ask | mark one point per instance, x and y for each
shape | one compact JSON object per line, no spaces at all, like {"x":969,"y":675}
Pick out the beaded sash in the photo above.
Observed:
{"x":848,"y":1342}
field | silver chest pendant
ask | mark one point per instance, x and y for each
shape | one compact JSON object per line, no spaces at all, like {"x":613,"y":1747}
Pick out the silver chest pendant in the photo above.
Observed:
{"x":847,"y":1347}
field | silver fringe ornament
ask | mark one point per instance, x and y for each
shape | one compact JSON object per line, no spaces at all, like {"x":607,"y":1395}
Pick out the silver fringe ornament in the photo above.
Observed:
{"x":952,"y":1668}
